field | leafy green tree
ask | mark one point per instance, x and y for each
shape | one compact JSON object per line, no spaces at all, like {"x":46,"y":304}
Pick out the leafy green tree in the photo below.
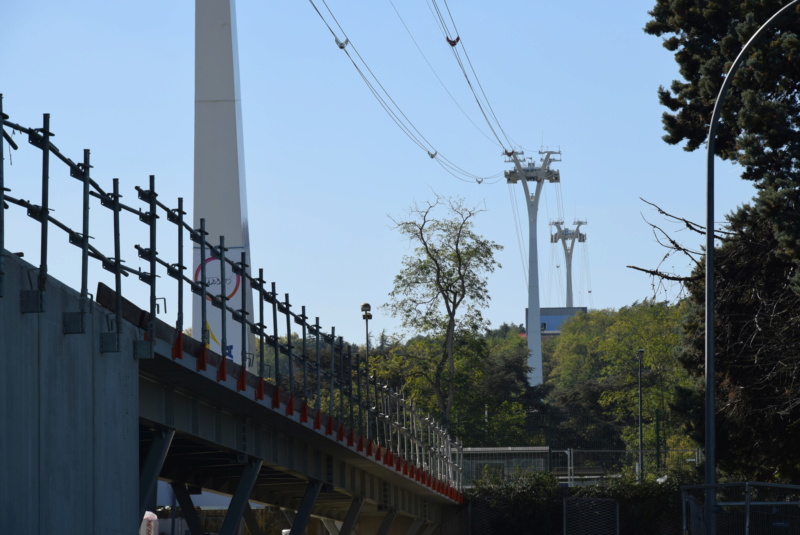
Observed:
{"x":594,"y":378}
{"x":488,"y":387}
{"x":655,"y":328}
{"x":760,"y":119}
{"x":575,"y":418}
{"x":577,"y":357}
{"x":491,"y":408}
{"x":505,"y":367}
{"x":442,"y":288}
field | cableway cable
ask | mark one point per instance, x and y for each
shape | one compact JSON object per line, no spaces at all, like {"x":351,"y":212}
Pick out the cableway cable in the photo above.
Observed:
{"x":452,"y":39}
{"x":387,"y":102}
{"x":403,"y":22}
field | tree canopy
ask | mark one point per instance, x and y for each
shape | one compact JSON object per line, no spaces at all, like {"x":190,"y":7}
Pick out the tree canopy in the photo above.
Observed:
{"x":757,"y":285}
{"x":760,"y":121}
{"x":594,"y":376}
{"x":757,"y":339}
{"x":441,"y":289}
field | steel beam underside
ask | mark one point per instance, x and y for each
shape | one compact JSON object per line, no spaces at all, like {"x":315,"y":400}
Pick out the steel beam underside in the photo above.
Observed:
{"x":217,"y":429}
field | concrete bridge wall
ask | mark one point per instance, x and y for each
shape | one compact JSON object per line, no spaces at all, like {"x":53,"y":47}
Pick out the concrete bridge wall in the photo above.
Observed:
{"x":69,"y":442}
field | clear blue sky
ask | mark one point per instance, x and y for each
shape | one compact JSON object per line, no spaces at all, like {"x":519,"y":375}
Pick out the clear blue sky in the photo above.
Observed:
{"x":326,"y":166}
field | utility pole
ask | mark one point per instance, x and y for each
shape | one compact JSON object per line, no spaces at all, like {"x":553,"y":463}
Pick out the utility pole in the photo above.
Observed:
{"x":529,"y":172}
{"x":565,"y":235}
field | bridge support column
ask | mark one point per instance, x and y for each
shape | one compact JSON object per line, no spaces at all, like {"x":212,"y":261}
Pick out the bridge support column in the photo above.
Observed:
{"x":187,"y":508}
{"x":414,"y":527}
{"x":306,"y":506}
{"x":331,"y":526}
{"x":352,"y":516}
{"x":388,"y":520}
{"x":240,"y":497}
{"x":148,"y":476}
{"x":250,"y":521}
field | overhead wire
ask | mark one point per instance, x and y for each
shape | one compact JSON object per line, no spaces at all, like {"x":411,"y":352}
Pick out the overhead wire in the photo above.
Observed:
{"x":427,"y":146}
{"x":388,"y":103}
{"x":453,"y":39}
{"x":402,"y":121}
{"x":512,"y":192}
{"x":586,"y":272}
{"x":416,"y":44}
{"x":453,"y":42}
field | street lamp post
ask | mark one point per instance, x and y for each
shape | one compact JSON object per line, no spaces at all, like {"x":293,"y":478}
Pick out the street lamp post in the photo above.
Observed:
{"x":367,"y":315}
{"x":639,"y":355}
{"x":710,"y":384}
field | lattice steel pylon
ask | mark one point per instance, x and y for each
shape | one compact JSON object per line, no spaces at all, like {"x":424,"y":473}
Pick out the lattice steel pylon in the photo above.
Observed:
{"x":529,"y":172}
{"x":565,"y":235}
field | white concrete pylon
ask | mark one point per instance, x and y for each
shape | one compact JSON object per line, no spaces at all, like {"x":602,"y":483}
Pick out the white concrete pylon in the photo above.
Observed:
{"x":220,"y":195}
{"x":565,"y":235}
{"x":531,"y":173}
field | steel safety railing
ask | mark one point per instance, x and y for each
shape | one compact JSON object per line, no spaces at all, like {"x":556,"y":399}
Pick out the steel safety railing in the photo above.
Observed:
{"x":318,"y":371}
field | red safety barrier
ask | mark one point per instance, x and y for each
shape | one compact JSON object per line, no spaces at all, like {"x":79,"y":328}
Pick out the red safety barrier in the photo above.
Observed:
{"x":177,"y":347}
{"x":329,"y":426}
{"x":222,"y":371}
{"x":304,"y":413}
{"x":241,"y":383}
{"x":318,"y":420}
{"x":276,"y":398}
{"x":290,"y":406}
{"x":260,"y":389}
{"x":202,"y":359}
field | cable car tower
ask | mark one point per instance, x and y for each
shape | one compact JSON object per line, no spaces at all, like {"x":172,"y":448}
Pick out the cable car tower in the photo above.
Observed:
{"x":565,"y":235}
{"x":526,"y":172}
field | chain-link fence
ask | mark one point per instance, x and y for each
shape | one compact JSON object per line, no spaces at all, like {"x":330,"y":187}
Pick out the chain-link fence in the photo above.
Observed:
{"x":572,"y":466}
{"x":742,"y":508}
{"x":591,"y":516}
{"x":502,"y":462}
{"x":590,"y":466}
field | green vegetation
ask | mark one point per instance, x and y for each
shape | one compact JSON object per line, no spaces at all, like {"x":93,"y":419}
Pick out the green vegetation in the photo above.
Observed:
{"x":756,"y":270}
{"x":757,"y":341}
{"x":514,"y":504}
{"x":594,"y":377}
{"x":441,"y":290}
{"x":488,"y":387}
{"x":474,"y":378}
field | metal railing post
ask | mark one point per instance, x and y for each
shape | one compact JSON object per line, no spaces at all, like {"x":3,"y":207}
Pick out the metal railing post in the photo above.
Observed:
{"x":45,"y":207}
{"x":2,"y":201}
{"x":243,"y":311}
